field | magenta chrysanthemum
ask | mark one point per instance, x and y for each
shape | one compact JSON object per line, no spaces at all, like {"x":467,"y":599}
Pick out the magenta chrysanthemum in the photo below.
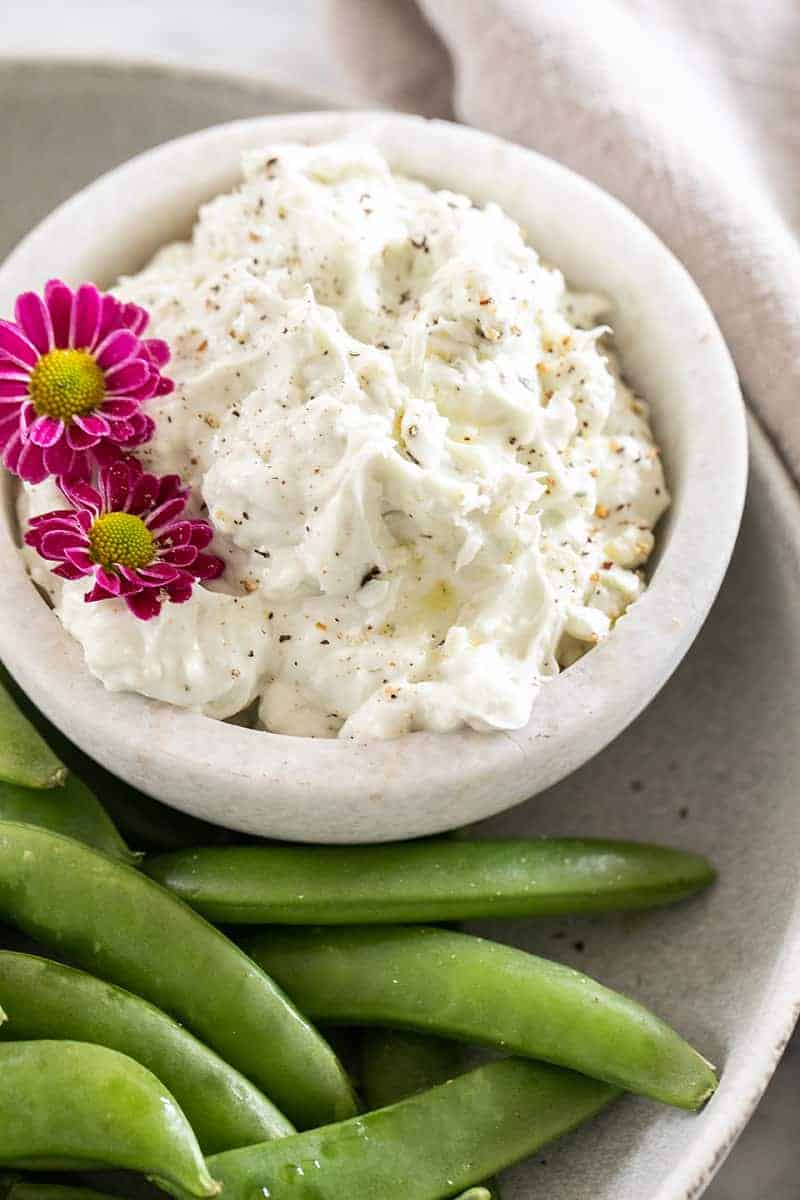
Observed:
{"x":131,"y":534}
{"x":74,"y":370}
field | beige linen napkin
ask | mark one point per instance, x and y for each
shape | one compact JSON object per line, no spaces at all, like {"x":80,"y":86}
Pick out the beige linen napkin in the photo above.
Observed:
{"x":687,"y":110}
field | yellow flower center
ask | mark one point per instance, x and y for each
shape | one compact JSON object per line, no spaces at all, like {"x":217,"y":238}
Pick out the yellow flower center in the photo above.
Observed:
{"x":66,"y":384}
{"x":121,"y":539}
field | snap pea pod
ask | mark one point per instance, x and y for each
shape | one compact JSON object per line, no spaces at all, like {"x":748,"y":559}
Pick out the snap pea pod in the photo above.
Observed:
{"x":432,"y":880}
{"x":45,"y":999}
{"x":455,"y":985}
{"x":14,"y":1188}
{"x":143,"y":820}
{"x":72,"y":809}
{"x":25,"y":757}
{"x":71,"y":1102}
{"x":433,"y":1145}
{"x":397,"y":1064}
{"x":113,"y":921}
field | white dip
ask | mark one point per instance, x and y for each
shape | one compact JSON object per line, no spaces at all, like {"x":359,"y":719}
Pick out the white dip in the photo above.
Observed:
{"x":429,"y":481}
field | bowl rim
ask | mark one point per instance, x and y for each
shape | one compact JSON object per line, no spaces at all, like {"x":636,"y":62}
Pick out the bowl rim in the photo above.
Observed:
{"x":377,"y":774}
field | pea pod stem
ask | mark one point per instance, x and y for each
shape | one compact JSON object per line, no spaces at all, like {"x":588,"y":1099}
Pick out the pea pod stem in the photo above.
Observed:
{"x":46,"y":999}
{"x":71,"y":1102}
{"x":25,"y":757}
{"x":454,"y":985}
{"x":435,"y":1144}
{"x":432,"y":880}
{"x":116,"y":923}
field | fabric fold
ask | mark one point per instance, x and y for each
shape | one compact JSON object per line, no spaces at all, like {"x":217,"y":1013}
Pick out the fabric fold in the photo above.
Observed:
{"x":689,"y":114}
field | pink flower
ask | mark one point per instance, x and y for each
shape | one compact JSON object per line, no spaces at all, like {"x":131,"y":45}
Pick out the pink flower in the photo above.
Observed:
{"x":74,"y":371}
{"x":131,"y":535}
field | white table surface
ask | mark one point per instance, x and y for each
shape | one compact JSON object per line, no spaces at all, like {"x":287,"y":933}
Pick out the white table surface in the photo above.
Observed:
{"x":284,"y":41}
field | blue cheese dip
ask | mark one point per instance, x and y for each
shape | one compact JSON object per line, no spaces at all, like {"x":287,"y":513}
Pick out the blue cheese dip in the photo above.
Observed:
{"x":431,"y":485}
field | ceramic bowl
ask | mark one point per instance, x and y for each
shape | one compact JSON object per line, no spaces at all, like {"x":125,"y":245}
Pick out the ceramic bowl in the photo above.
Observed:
{"x":332,"y":791}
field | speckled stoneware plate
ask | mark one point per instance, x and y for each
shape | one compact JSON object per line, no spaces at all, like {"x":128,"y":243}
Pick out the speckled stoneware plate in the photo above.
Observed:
{"x":713,"y":764}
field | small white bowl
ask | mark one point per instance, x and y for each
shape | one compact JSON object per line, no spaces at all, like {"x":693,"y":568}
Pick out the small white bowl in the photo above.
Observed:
{"x":340,"y":791}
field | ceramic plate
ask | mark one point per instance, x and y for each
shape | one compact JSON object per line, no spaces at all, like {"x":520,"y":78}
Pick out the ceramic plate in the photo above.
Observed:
{"x":713,"y":764}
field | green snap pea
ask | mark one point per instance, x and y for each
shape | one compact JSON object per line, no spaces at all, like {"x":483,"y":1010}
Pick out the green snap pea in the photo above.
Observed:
{"x":72,"y":809}
{"x":45,"y":999}
{"x":434,"y":880}
{"x":433,"y":1145}
{"x":116,"y":923}
{"x":14,"y":1188}
{"x":455,"y":985}
{"x":71,"y":1102}
{"x":144,"y":821}
{"x":25,"y":757}
{"x":397,"y":1064}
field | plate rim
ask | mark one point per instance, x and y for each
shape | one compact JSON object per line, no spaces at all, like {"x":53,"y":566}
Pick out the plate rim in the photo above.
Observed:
{"x":781,"y":1003}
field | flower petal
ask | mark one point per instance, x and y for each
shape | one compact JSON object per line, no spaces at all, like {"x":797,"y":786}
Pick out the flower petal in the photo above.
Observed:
{"x":119,"y":407}
{"x":81,"y":495}
{"x":14,"y":345}
{"x":119,"y":347}
{"x":58,"y":298}
{"x":165,"y":386}
{"x":59,"y":518}
{"x":79,"y":439}
{"x":158,"y":350}
{"x":8,"y":432}
{"x":121,"y":432}
{"x":27,"y":416}
{"x":106,"y":453}
{"x":9,"y":420}
{"x":11,"y":389}
{"x":30,"y":463}
{"x":162,"y":516}
{"x":179,"y":533}
{"x":202,"y":533}
{"x":110,"y":582}
{"x":12,"y":448}
{"x":85,"y":318}
{"x":80,"y":558}
{"x":145,"y":494}
{"x":134,"y":317}
{"x":143,"y":429}
{"x":179,"y":556}
{"x":55,"y":543}
{"x":118,"y":485}
{"x":46,"y":431}
{"x":145,"y":604}
{"x":92,"y":423}
{"x":68,"y":571}
{"x":158,"y":574}
{"x":170,"y":487}
{"x":98,"y":592}
{"x":128,"y":377}
{"x":33,"y":317}
{"x":180,"y":591}
{"x":129,"y":581}
{"x":110,"y":317}
{"x":60,"y":458}
{"x":208,"y":566}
